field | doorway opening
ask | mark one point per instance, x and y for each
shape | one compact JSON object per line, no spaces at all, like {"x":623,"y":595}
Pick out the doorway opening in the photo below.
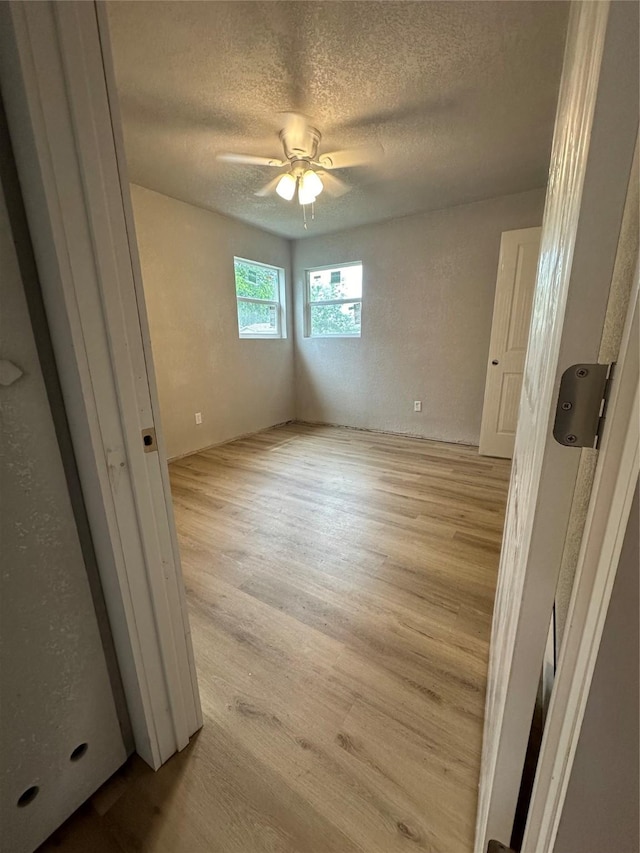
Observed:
{"x":377,"y":499}
{"x":132,"y":507}
{"x":340,"y":581}
{"x":339,"y":532}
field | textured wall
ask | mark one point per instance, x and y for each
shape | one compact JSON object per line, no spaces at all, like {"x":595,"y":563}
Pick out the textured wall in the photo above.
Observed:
{"x":54,"y":683}
{"x":602,"y":805}
{"x":429,"y":282}
{"x":240,"y":386}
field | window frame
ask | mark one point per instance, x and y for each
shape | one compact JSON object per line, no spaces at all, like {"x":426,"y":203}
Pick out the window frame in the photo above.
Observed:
{"x":310,"y":303}
{"x":279,"y":304}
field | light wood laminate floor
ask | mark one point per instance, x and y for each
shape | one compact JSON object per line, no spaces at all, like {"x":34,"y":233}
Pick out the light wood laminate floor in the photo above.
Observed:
{"x":340,"y":586}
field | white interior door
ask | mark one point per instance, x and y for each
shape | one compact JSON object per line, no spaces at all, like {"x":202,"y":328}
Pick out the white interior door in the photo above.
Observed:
{"x":509,"y":335}
{"x":592,"y":155}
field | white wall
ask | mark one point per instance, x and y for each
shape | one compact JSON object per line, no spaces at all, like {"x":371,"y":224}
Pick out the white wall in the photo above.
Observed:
{"x":429,"y":282}
{"x":240,"y":386}
{"x":603,"y":801}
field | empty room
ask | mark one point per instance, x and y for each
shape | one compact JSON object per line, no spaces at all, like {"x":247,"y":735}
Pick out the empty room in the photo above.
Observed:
{"x":316,"y":236}
{"x":321,"y":367}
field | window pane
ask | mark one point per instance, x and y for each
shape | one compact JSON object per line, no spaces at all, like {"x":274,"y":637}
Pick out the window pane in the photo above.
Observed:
{"x":336,"y":319}
{"x":255,"y":281}
{"x":257,"y":319}
{"x":337,"y":283}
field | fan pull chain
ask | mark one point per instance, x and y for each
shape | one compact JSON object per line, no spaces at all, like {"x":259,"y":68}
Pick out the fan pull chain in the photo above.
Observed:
{"x":304,"y":216}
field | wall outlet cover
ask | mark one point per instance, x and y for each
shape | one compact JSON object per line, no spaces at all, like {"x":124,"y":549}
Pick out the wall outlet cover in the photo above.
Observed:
{"x":198,"y":417}
{"x":417,"y":405}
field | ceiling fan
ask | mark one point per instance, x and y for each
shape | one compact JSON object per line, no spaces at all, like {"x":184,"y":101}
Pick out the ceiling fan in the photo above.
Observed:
{"x":308,"y":172}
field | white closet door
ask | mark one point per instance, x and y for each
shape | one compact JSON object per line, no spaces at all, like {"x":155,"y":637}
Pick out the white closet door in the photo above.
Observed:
{"x":509,"y":335}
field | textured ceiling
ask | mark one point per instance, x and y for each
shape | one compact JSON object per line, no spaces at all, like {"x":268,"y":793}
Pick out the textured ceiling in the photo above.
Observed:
{"x":460,"y":96}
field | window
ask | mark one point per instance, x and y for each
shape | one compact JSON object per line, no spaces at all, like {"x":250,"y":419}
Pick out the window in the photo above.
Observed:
{"x":260,"y":297}
{"x":334,"y":301}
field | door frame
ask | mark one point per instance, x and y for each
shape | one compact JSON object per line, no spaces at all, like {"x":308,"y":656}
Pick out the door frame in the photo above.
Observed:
{"x":608,"y":515}
{"x":66,"y":132}
{"x":589,"y":176}
{"x":53,"y":63}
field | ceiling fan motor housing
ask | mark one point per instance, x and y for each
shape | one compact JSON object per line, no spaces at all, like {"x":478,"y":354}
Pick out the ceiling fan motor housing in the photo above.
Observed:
{"x":299,"y":166}
{"x":305,"y":148}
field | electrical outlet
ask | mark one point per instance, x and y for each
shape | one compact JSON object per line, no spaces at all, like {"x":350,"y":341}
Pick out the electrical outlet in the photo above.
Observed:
{"x":198,"y":417}
{"x":417,"y":405}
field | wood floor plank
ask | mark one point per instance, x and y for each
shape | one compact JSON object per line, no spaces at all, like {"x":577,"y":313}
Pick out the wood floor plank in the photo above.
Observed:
{"x":340,"y":586}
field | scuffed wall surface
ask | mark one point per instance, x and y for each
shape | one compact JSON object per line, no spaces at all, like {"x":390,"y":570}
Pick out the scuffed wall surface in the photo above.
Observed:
{"x":429,"y":284}
{"x":240,"y":386}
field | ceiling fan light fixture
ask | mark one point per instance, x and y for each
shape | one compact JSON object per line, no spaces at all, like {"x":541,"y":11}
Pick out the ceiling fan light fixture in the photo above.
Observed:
{"x":311,"y":183}
{"x":286,"y":186}
{"x":305,"y":197}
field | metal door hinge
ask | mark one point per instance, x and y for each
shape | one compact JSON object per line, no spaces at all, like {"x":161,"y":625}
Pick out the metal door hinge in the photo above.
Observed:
{"x":582,"y":403}
{"x":498,"y":847}
{"x":149,"y":440}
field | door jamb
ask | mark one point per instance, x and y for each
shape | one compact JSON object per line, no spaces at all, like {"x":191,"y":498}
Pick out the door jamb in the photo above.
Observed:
{"x":53,"y":86}
{"x":587,"y":189}
{"x":73,"y":255}
{"x":605,"y":527}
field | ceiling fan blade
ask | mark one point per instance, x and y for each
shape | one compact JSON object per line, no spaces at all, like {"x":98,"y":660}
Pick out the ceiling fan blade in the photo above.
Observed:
{"x":249,"y":159}
{"x":269,"y":188}
{"x":332,"y":184}
{"x":361,"y":156}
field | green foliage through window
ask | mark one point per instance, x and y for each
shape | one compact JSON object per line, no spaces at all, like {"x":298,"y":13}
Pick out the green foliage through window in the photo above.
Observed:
{"x":334,"y":300}
{"x":336,"y":319}
{"x":258,"y":296}
{"x":255,"y":281}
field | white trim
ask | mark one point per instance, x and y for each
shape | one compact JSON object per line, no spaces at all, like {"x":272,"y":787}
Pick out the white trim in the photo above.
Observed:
{"x":348,"y":335}
{"x":280,"y":304}
{"x":186,"y":690}
{"x":588,"y":183}
{"x":257,"y":263}
{"x":353,"y":301}
{"x":312,"y":303}
{"x":276,"y":335}
{"x":615,"y":482}
{"x":502,"y":764}
{"x":337,"y":266}
{"x":58,"y":108}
